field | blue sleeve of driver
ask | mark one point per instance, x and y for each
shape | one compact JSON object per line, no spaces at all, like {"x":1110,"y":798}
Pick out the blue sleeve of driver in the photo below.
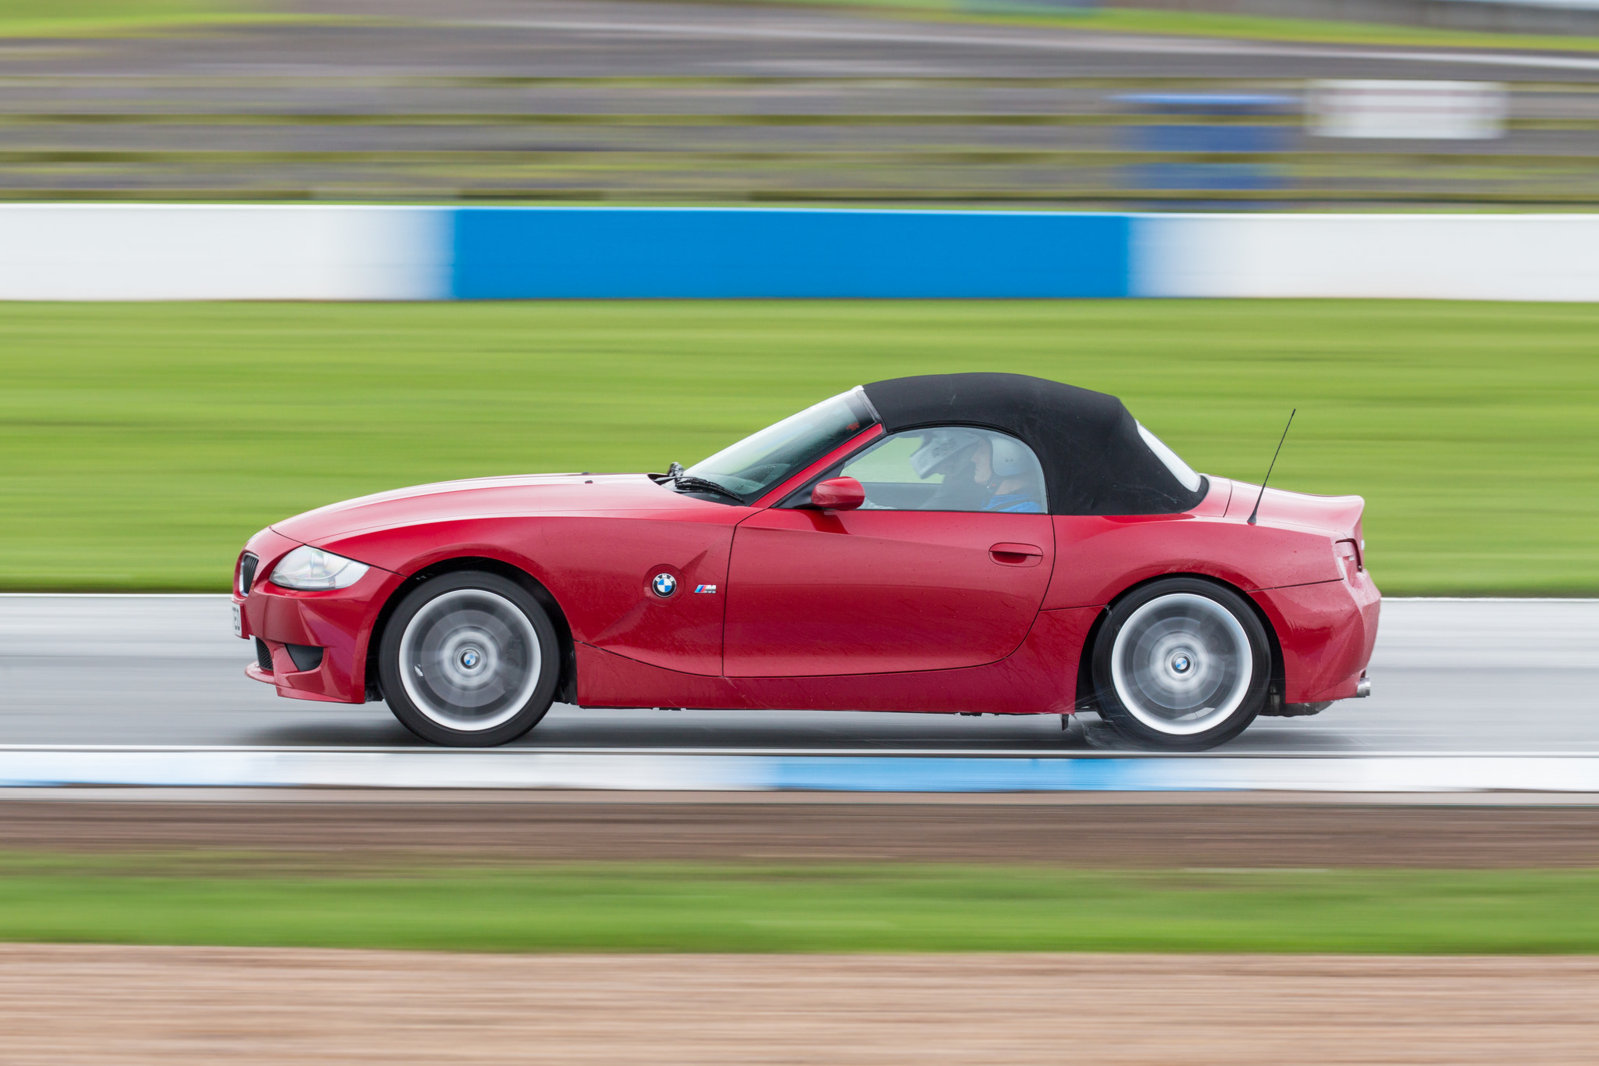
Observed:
{"x":1015,"y":503}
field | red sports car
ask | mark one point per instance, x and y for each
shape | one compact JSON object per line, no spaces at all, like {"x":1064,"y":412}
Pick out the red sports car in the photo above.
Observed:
{"x":957,"y":543}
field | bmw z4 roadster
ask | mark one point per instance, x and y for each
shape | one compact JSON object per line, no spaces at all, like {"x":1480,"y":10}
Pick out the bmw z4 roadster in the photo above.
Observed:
{"x":953,"y":543}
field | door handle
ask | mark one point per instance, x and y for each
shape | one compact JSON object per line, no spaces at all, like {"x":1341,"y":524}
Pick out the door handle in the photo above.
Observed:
{"x":1010,"y":554}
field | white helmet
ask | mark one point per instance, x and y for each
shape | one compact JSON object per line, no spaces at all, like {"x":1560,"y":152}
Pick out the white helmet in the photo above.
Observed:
{"x":1010,"y":457}
{"x":938,"y":447}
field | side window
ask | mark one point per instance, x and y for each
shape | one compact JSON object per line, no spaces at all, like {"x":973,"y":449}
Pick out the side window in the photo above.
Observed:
{"x":950,"y":468}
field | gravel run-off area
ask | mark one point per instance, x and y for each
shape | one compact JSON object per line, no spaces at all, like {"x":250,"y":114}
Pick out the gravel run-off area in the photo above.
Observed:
{"x":87,"y":1004}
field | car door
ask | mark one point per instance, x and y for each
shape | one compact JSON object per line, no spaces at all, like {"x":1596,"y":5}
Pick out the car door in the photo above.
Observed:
{"x":920,"y":578}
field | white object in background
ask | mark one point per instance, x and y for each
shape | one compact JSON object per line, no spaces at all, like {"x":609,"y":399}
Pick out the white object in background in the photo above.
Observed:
{"x":1412,"y":110}
{"x":222,"y":252}
{"x":1418,"y":257}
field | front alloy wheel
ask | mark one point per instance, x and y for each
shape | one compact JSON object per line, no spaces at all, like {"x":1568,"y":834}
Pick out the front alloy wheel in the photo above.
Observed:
{"x":469,"y":659}
{"x":1182,"y":664}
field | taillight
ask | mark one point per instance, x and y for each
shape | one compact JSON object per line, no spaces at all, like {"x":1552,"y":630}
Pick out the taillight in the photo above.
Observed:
{"x":1350,"y":557}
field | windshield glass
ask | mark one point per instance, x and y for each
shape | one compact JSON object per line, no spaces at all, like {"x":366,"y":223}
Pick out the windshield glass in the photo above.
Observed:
{"x":763,"y":460}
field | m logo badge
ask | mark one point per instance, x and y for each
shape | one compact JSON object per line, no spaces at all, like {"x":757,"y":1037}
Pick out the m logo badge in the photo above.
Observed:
{"x":705,"y":588}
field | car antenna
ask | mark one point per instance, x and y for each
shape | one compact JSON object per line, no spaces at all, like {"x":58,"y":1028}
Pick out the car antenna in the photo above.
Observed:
{"x":1272,"y":467}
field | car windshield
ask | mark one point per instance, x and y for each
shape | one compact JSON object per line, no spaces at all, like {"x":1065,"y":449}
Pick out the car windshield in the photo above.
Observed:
{"x":764,"y":460}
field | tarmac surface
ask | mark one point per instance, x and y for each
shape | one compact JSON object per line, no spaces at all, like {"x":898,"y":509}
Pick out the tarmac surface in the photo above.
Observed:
{"x":1496,"y":677}
{"x":352,"y":832}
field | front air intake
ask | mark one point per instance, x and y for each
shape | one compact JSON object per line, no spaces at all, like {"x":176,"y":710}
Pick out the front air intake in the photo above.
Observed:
{"x":263,"y":655}
{"x":305,"y":656}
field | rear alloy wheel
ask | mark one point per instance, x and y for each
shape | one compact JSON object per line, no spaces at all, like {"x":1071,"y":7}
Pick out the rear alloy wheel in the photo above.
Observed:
{"x":1181,"y":664}
{"x":469,"y":659}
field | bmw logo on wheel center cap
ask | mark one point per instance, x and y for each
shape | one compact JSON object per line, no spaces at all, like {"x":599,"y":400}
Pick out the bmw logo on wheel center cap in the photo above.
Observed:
{"x":664,"y":585}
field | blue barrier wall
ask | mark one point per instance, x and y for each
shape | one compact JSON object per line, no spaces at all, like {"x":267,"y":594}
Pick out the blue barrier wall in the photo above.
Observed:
{"x":522,"y":253}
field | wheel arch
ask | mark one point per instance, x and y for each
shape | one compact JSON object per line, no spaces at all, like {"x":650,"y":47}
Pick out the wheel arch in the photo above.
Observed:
{"x":566,"y":688}
{"x":1087,"y":697}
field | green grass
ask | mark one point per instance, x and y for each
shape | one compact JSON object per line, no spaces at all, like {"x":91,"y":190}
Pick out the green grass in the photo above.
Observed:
{"x":93,"y":18}
{"x":141,"y":444}
{"x":1205,"y":24}
{"x":75,"y":18}
{"x":758,"y":908}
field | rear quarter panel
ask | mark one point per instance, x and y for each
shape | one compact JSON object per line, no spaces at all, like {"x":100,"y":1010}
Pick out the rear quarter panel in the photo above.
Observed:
{"x":1325,"y":624}
{"x":1098,"y":558}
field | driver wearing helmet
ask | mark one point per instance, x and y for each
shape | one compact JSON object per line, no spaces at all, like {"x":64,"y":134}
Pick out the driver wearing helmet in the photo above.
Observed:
{"x":982,"y":472}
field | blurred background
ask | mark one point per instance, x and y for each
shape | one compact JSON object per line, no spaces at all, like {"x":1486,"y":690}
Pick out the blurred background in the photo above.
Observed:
{"x":1035,"y":103}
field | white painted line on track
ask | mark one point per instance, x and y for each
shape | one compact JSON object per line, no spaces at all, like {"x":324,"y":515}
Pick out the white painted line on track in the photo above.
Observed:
{"x":772,"y":752}
{"x":657,"y":771}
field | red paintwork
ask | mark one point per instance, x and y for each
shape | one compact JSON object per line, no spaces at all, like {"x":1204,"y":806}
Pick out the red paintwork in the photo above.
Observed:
{"x":838,"y":494}
{"x":1032,"y":680}
{"x":822,"y":592}
{"x":863,"y":609}
{"x":338,"y":621}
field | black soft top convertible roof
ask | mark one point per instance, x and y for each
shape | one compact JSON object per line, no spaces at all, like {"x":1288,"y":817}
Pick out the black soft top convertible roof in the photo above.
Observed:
{"x":1094,"y":459}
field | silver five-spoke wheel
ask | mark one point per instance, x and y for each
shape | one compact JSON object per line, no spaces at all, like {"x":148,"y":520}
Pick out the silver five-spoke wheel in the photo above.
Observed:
{"x":469,"y":659}
{"x":1183,"y":663}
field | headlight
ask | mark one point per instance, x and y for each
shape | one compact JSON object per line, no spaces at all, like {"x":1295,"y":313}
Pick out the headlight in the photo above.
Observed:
{"x":312,"y":568}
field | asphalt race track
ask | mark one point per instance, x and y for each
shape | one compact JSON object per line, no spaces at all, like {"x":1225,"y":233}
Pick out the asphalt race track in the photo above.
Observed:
{"x":1493,"y":677}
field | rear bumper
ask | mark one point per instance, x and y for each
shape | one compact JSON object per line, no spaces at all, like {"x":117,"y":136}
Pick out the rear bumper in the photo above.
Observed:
{"x":1327,"y":632}
{"x":290,"y":623}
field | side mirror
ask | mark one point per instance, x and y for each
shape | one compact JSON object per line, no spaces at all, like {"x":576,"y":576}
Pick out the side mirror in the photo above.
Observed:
{"x":838,"y":494}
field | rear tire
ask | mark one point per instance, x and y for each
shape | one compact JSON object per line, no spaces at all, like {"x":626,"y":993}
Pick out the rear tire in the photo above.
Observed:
{"x":1181,"y":665}
{"x":469,"y":660}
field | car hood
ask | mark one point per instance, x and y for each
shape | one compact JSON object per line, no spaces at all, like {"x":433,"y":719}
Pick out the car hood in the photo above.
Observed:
{"x":489,"y":497}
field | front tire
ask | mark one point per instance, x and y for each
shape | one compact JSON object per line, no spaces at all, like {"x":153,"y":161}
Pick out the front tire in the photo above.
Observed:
{"x":469,"y":659}
{"x":1181,"y":664}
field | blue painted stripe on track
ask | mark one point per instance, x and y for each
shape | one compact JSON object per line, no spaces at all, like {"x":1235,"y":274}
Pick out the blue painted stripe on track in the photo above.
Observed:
{"x":707,"y":253}
{"x":990,"y":775}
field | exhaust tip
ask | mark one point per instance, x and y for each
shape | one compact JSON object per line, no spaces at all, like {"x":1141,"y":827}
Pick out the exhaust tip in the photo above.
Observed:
{"x":1363,"y":689}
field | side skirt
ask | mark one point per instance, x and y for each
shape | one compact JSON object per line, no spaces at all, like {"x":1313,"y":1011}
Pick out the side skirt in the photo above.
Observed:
{"x":1040,"y":677}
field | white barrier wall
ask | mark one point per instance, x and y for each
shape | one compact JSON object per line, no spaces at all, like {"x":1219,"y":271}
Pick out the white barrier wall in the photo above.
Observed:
{"x":194,"y":252}
{"x":1446,"y":257}
{"x":205,"y":252}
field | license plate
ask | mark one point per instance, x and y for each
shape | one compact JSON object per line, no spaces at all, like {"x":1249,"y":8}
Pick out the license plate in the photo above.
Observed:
{"x":238,"y":620}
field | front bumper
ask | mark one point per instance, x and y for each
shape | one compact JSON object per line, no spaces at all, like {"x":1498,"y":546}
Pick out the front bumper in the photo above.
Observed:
{"x":309,"y":645}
